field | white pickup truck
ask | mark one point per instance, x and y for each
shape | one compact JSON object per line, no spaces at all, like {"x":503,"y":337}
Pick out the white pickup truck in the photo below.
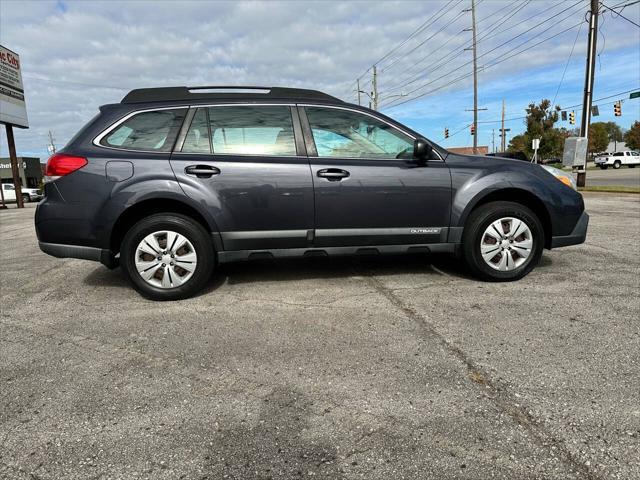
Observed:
{"x":28,"y":194}
{"x":617,"y":159}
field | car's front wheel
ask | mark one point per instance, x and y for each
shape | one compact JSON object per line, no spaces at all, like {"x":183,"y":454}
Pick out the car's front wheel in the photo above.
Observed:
{"x":167,"y":256}
{"x":502,"y":241}
{"x":617,"y":164}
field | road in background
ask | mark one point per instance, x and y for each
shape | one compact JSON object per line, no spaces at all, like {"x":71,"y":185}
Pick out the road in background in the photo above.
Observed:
{"x":623,"y":177}
{"x":389,"y":368}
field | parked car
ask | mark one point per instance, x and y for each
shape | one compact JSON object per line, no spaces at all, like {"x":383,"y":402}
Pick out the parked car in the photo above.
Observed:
{"x":171,"y":182}
{"x":514,"y":155}
{"x":550,"y":161}
{"x":28,"y":194}
{"x":618,"y":159}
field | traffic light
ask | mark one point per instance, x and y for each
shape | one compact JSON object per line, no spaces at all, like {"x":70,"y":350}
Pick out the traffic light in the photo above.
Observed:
{"x":572,"y":118}
{"x":446,"y":133}
{"x":564,"y":115}
{"x":473,"y":129}
{"x":617,"y":109}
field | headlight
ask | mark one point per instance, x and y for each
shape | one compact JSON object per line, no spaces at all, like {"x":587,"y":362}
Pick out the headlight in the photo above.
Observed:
{"x":561,"y":175}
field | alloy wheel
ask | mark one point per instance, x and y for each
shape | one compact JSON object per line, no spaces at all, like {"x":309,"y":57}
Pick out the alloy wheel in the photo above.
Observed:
{"x":166,"y":259}
{"x":506,"y":244}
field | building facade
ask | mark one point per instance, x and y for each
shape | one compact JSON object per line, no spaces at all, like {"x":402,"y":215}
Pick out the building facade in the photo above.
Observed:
{"x":30,"y":171}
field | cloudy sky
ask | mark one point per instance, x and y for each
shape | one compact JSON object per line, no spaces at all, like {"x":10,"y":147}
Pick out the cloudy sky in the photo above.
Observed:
{"x":77,"y":55}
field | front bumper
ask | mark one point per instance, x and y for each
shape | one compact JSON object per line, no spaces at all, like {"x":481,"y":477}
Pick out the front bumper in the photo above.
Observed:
{"x":58,"y":250}
{"x":577,"y":236}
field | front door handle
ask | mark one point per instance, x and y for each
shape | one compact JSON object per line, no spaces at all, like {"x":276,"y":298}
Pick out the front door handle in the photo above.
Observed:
{"x":202,"y":171}
{"x":333,"y":174}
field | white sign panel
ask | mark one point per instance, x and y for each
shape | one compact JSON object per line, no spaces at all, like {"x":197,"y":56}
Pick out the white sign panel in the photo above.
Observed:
{"x":535,"y":143}
{"x":575,"y":152}
{"x":12,"y":107}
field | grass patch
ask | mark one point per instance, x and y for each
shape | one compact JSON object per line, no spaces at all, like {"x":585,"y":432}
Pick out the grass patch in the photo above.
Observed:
{"x":610,"y":189}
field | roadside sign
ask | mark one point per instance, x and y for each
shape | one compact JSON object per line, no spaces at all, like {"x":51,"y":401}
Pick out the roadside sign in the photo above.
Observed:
{"x":535,"y":143}
{"x":13,"y":110}
{"x":634,"y":95}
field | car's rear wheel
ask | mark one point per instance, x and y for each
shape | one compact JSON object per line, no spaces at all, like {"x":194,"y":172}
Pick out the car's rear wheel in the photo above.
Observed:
{"x":167,"y":256}
{"x":26,"y":198}
{"x":604,"y":167}
{"x":502,"y":241}
{"x":617,"y":164}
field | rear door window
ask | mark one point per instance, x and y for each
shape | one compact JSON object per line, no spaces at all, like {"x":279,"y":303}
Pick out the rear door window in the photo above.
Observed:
{"x":153,"y":131}
{"x":198,"y":139}
{"x":252,"y":130}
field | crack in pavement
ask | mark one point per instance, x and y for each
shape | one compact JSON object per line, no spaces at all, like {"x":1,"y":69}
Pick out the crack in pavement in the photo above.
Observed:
{"x":499,"y":393}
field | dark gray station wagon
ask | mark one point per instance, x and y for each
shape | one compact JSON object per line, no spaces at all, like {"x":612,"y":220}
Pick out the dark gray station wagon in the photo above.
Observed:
{"x":170,"y":182}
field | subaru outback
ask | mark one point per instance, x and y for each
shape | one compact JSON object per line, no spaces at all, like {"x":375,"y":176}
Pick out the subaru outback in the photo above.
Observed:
{"x":171,"y":182}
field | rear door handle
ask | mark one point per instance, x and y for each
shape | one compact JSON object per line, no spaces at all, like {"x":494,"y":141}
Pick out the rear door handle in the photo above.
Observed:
{"x":202,"y":171}
{"x":333,"y":174}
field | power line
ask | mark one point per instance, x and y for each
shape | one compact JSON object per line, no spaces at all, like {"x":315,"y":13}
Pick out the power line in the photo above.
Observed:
{"x":566,"y":65}
{"x":397,"y":59}
{"x":457,"y":79}
{"x":413,"y":34}
{"x":496,"y":48}
{"x":434,"y":65}
{"x":67,"y":82}
{"x":619,"y":14}
{"x":570,"y":106}
{"x":490,"y":51}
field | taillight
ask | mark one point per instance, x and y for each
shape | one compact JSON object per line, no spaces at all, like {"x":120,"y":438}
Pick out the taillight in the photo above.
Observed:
{"x":60,"y":165}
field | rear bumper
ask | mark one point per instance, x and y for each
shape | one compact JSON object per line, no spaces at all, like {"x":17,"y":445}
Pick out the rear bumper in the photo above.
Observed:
{"x":77,"y":251}
{"x":577,"y":236}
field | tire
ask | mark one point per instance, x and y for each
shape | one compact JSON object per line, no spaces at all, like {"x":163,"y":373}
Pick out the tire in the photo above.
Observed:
{"x":480,"y":220}
{"x":198,"y":242}
{"x":604,"y":167}
{"x":26,"y":198}
{"x":617,"y":164}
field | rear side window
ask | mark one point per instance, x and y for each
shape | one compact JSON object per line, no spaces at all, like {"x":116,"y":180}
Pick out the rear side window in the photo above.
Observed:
{"x":150,"y":131}
{"x":198,"y":139}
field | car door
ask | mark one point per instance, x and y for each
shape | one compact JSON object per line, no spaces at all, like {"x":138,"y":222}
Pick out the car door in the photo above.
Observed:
{"x":369,"y":190}
{"x":247,"y":165}
{"x":9,"y":192}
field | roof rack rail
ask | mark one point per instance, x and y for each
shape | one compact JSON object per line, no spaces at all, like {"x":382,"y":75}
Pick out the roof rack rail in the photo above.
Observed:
{"x":168,"y":94}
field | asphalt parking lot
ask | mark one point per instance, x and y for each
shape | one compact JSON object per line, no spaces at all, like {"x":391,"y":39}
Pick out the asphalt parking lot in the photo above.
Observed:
{"x":381,"y":368}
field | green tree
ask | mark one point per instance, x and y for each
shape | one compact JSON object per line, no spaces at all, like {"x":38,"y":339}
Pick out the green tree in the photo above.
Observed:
{"x":599,"y":137}
{"x":632,"y":136}
{"x":613,"y":131}
{"x":540,"y":122}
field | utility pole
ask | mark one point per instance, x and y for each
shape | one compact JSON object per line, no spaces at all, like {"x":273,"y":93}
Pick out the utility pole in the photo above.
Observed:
{"x":358,"y":90}
{"x":502,"y":135}
{"x":585,"y":121}
{"x":52,"y":145}
{"x":475,"y":77}
{"x":374,"y":89}
{"x":493,"y":140}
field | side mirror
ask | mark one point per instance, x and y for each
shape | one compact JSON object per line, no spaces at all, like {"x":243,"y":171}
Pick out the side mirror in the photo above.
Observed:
{"x":421,"y":150}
